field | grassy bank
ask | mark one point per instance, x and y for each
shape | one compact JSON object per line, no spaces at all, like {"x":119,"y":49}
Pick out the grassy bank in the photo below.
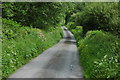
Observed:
{"x":21,"y":43}
{"x":99,"y":54}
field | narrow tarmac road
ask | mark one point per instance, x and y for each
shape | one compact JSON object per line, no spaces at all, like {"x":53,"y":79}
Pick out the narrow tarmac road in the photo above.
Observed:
{"x":59,"y":61}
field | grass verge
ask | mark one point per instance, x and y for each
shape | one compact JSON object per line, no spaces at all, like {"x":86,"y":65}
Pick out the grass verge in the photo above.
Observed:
{"x":20,"y":44}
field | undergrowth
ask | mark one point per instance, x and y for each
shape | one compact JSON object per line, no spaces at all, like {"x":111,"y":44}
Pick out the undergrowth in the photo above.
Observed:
{"x":21,"y":43}
{"x":99,"y":54}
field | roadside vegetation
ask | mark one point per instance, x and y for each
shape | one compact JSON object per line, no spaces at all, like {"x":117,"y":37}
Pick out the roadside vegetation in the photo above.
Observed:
{"x":22,"y":43}
{"x":27,"y":30}
{"x":96,"y":29}
{"x":99,"y":53}
{"x":30,"y":28}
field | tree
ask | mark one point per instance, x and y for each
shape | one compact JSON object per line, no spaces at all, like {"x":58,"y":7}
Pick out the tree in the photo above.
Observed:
{"x":40,"y":14}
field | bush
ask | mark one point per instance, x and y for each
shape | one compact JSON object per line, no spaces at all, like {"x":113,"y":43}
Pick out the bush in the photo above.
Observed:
{"x":98,"y":16}
{"x":107,"y":67}
{"x":77,"y":32}
{"x":99,"y":52}
{"x":39,"y":15}
{"x":21,"y":44}
{"x":71,"y":25}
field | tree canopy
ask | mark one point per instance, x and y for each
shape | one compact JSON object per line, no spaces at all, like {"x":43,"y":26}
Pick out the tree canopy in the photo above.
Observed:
{"x":37,"y":14}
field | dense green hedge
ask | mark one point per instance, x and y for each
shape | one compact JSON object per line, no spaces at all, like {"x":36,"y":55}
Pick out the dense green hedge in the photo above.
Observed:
{"x":77,"y":31}
{"x":20,"y":44}
{"x":99,"y":54}
{"x":100,"y":49}
{"x":98,"y":16}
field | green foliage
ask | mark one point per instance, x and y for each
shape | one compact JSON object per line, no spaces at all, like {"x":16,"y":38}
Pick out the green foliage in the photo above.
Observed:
{"x":77,"y":7}
{"x":20,"y":44}
{"x":71,"y":25}
{"x":78,"y":32}
{"x":98,"y":16}
{"x":99,"y":52}
{"x":107,"y":67}
{"x":41,"y":15}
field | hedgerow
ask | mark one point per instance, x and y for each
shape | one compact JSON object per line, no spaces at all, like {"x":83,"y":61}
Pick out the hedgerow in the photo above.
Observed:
{"x":21,"y":43}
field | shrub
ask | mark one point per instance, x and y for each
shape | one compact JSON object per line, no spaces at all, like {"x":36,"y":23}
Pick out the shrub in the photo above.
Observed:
{"x":71,"y":25}
{"x":99,"y":52}
{"x":22,"y":43}
{"x":107,"y":67}
{"x":98,"y":16}
{"x":77,"y":32}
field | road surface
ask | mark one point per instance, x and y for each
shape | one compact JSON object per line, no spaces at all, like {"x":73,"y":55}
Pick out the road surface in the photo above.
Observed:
{"x":59,"y":61}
